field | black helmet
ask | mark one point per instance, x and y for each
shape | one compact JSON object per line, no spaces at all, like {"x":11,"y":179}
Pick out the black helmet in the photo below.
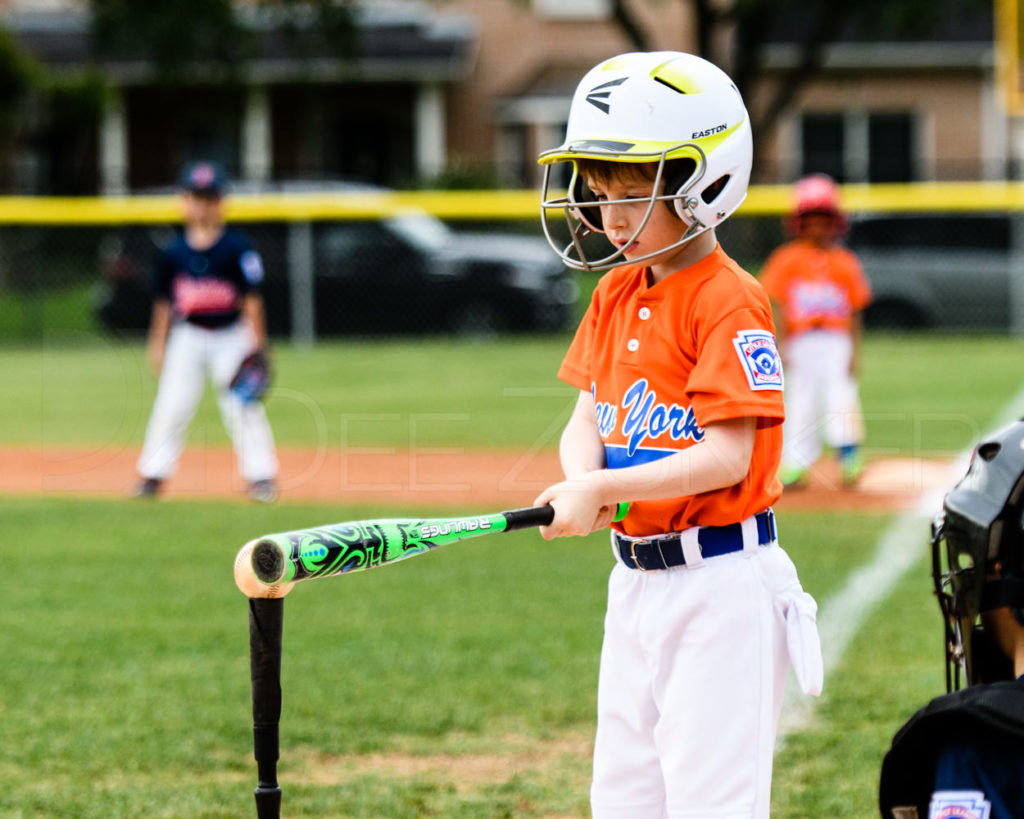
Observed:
{"x":981,"y":566}
{"x":204,"y":178}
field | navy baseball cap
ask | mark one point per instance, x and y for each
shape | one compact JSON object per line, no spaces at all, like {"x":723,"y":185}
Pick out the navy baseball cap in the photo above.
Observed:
{"x":204,"y":178}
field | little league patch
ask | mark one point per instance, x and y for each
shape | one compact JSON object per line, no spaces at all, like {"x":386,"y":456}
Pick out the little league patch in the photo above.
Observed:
{"x":959,"y":805}
{"x":759,"y":355}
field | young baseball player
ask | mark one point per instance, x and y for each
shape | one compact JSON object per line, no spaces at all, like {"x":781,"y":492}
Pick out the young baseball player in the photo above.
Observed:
{"x":207,"y":317}
{"x":818,"y":290}
{"x":680,"y":413}
{"x":962,"y":756}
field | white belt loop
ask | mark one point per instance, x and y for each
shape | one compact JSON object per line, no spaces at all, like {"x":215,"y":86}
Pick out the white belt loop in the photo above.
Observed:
{"x":615,"y":546}
{"x":691,"y":547}
{"x":750,"y":536}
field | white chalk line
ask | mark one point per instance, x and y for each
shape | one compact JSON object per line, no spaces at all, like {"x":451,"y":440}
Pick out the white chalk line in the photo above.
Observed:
{"x":899,"y":548}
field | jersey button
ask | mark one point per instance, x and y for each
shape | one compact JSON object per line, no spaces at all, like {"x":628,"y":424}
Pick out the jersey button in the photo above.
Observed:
{"x":632,"y":345}
{"x":645,"y":313}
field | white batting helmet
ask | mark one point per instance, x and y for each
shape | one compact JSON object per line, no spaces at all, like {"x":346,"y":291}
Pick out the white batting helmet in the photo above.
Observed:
{"x":654,"y":107}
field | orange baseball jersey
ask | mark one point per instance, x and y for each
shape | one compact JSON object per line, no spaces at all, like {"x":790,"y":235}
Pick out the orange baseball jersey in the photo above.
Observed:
{"x":817,"y":288}
{"x":663,"y":361}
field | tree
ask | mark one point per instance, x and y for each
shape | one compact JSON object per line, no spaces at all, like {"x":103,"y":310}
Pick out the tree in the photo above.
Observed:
{"x":175,"y":37}
{"x":212,"y":39}
{"x":735,"y":35}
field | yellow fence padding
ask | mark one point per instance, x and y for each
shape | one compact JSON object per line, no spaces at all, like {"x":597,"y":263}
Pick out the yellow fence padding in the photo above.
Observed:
{"x":762,"y":200}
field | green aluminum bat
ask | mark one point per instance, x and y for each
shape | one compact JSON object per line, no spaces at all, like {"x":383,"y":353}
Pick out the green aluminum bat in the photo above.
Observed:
{"x":365,"y":544}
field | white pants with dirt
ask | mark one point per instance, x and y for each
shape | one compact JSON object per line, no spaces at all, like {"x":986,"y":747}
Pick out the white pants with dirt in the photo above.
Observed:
{"x":194,"y":354}
{"x":693,"y":670}
{"x":822,"y":401}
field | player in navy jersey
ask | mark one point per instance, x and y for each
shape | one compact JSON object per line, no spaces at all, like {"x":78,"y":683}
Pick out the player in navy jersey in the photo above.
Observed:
{"x":208,"y":315}
{"x":962,"y":756}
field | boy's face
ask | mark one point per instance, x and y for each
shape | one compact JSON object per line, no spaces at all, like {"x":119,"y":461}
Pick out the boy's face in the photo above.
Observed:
{"x":1008,"y":633}
{"x":621,"y":221}
{"x":201,"y":209}
{"x":818,"y":227}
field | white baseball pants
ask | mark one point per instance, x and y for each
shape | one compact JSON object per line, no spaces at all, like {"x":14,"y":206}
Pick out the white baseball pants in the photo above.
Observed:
{"x":822,"y":401}
{"x":193,"y":354}
{"x":693,"y":671}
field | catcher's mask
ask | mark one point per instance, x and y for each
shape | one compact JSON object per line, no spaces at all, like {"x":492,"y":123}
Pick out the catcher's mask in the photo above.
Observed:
{"x":675,"y":112}
{"x":978,"y":557}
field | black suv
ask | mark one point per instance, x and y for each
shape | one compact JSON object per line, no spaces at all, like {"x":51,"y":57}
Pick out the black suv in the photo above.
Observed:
{"x":408,"y":273}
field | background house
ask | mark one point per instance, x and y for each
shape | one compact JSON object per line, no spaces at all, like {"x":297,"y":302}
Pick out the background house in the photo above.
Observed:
{"x":469,"y":91}
{"x":373,"y":110}
{"x":917,"y":107}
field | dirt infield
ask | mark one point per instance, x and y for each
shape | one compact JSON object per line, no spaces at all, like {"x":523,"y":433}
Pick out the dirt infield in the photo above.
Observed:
{"x":415,"y":478}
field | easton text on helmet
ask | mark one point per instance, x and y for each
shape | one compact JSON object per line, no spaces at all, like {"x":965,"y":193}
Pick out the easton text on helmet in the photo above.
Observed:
{"x":708,"y":131}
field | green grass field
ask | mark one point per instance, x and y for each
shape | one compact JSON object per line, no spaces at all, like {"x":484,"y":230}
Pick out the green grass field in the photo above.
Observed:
{"x":922,"y":395}
{"x":457,"y":684}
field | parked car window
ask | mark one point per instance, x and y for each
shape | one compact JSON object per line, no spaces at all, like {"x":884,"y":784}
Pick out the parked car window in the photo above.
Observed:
{"x":936,"y":270}
{"x":339,"y":241}
{"x":968,"y":231}
{"x":422,"y":230}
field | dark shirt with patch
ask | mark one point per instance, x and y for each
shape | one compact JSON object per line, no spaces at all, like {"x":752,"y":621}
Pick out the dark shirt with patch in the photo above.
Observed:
{"x":206,"y":287}
{"x":965,"y":751}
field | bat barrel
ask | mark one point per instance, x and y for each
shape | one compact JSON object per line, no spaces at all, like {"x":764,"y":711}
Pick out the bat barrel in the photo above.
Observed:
{"x":359,"y":545}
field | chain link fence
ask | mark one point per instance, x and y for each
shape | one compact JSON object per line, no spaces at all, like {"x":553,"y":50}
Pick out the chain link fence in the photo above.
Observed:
{"x":410,"y":272}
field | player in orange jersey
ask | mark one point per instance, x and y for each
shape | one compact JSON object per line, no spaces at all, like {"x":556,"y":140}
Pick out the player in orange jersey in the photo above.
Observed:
{"x":679,"y":412}
{"x":819,"y":291}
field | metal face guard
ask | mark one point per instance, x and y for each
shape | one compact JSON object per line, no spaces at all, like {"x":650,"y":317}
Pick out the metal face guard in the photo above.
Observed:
{"x":573,"y":255}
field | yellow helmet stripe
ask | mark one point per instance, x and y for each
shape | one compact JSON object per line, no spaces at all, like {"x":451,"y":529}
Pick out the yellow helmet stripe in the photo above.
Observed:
{"x":620,"y":151}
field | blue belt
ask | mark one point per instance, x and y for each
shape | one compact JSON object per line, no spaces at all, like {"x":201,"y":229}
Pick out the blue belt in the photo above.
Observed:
{"x":666,"y":551}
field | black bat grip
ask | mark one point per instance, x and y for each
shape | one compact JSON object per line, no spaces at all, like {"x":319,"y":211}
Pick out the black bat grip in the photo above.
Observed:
{"x":266,"y":621}
{"x":543,"y":515}
{"x":530,"y":516}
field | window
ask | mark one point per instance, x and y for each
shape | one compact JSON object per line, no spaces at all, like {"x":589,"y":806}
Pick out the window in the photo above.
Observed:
{"x":573,"y":9}
{"x":986,"y":232}
{"x":823,"y":145}
{"x":890,"y":148}
{"x":859,"y":146}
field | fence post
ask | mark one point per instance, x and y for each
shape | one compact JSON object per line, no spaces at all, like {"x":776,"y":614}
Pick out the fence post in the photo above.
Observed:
{"x":1017,"y":273}
{"x":300,"y":283}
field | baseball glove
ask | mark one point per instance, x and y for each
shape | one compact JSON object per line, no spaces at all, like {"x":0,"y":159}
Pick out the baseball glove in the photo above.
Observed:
{"x":252,"y":380}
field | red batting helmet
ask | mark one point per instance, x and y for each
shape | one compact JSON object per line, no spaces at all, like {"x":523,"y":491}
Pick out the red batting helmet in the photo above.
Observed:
{"x":817,"y":193}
